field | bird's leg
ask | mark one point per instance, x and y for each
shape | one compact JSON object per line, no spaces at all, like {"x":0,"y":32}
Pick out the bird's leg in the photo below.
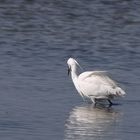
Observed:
{"x":93,"y":100}
{"x":110,"y":103}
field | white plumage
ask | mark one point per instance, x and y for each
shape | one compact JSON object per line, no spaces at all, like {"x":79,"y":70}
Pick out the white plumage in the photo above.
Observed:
{"x":94,"y":84}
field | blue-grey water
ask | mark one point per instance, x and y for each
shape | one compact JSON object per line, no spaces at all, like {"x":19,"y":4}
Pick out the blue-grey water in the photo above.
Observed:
{"x":37,"y":99}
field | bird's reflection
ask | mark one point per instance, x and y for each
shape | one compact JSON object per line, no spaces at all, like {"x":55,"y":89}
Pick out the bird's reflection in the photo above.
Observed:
{"x":88,"y":122}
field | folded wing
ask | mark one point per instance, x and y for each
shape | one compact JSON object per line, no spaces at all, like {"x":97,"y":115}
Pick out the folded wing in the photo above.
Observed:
{"x":98,"y":84}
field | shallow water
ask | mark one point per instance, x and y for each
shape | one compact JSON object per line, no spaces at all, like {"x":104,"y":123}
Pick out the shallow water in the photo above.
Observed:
{"x":38,"y":100}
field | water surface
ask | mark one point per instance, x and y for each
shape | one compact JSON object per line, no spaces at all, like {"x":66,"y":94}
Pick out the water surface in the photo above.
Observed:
{"x":38,"y":100}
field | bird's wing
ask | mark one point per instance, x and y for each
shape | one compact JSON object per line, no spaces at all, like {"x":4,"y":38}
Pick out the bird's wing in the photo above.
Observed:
{"x":99,"y":85}
{"x":100,"y":77}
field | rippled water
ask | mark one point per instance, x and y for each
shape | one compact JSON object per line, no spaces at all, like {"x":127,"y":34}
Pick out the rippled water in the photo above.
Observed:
{"x":38,"y":100}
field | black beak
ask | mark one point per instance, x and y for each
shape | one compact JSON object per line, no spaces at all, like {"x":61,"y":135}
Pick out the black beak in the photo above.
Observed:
{"x":69,"y":70}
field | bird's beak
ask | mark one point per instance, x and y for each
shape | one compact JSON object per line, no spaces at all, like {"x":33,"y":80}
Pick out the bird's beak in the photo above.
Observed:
{"x":69,"y":70}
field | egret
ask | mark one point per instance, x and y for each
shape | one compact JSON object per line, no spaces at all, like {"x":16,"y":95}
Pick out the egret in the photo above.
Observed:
{"x":93,"y":85}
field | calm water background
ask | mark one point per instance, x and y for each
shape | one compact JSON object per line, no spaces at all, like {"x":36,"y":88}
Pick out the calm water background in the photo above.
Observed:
{"x":37,"y":99}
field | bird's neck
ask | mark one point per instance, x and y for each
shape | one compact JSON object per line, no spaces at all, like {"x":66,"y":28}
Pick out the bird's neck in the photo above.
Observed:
{"x":74,"y":73}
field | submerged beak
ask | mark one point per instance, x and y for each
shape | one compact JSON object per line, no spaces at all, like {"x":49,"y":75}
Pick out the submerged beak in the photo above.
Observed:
{"x":69,"y":70}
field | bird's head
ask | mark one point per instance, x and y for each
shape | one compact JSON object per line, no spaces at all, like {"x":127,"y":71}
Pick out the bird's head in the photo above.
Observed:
{"x":72,"y":63}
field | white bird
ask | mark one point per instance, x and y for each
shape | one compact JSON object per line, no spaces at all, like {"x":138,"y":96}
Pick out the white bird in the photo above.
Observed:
{"x":93,"y":84}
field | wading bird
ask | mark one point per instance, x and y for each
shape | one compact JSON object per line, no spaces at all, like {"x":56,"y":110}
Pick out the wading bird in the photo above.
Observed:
{"x":94,"y":85}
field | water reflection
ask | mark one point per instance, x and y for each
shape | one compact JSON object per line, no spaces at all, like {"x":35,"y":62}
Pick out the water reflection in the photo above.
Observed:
{"x":88,"y":122}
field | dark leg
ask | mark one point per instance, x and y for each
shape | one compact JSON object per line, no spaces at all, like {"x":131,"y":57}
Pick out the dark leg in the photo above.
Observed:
{"x":110,"y":103}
